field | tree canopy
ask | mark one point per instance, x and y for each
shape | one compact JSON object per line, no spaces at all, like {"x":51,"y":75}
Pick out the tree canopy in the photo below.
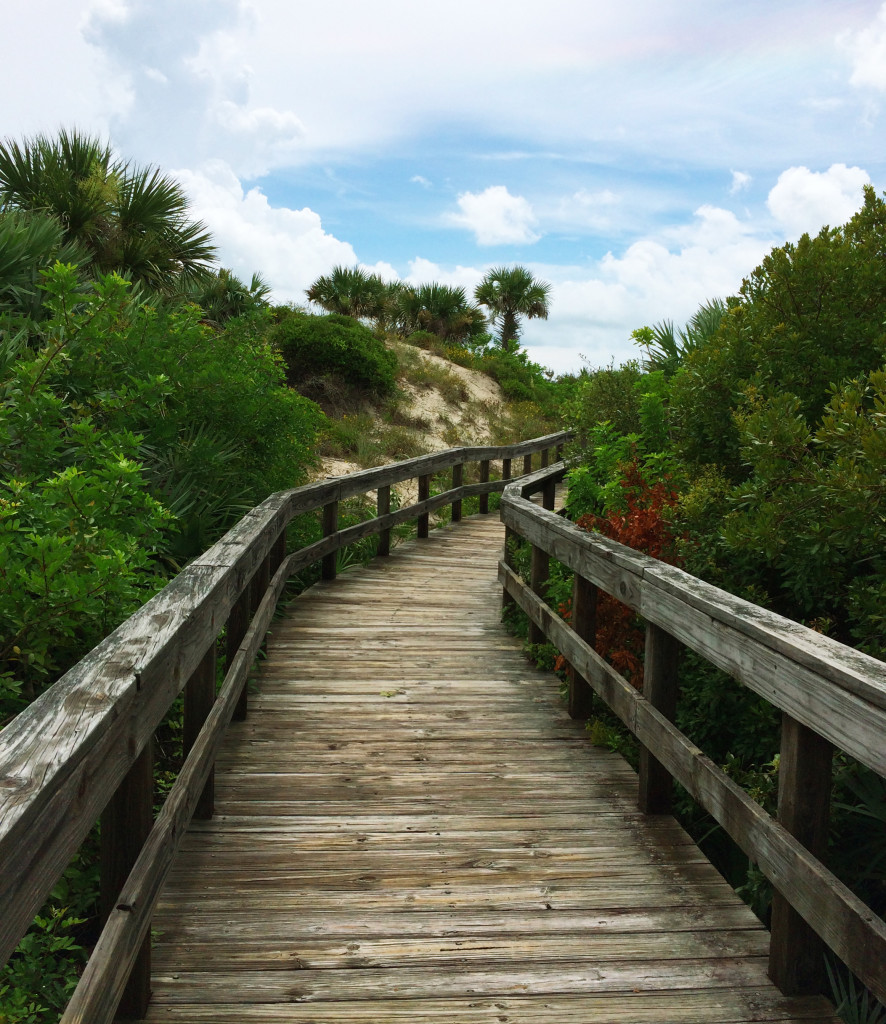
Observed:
{"x":510,"y":293}
{"x":127,"y":219}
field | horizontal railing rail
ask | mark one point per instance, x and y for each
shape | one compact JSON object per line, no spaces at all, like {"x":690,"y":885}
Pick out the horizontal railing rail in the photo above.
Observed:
{"x":82,"y":750}
{"x":830,"y":695}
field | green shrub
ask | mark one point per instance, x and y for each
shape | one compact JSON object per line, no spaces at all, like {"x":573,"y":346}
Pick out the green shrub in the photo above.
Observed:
{"x":337,"y":346}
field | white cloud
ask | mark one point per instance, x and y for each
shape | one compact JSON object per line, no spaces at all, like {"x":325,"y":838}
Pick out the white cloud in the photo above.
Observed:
{"x":289,"y":247}
{"x":418,"y":179}
{"x":804,"y":201}
{"x":496,"y":217}
{"x":661,"y":277}
{"x":188,"y":86}
{"x":867,"y":48}
{"x":584,"y":210}
{"x":740,"y":181}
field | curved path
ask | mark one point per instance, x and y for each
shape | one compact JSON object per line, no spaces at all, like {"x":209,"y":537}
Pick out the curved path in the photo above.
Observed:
{"x":409,"y":828}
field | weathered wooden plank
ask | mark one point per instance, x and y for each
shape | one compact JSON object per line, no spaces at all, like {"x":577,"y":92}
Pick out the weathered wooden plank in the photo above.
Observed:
{"x":490,"y":950}
{"x":415,"y":982}
{"x":281,"y":926}
{"x":699,"y":1006}
{"x":692,"y":889}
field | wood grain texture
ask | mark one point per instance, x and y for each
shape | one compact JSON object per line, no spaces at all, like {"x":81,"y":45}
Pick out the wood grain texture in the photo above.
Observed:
{"x":411,"y":828}
{"x":62,"y":758}
{"x":855,"y":933}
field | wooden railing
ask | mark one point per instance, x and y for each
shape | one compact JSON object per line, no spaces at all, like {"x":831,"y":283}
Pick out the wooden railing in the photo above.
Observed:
{"x":83,"y":749}
{"x":830,"y":696}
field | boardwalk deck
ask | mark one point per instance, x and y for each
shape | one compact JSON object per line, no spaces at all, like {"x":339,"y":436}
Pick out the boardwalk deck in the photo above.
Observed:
{"x":410,"y":828}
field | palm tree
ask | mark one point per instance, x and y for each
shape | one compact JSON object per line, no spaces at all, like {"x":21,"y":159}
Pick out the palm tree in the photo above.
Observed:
{"x":509,"y":293}
{"x":29,"y":243}
{"x":667,"y":349}
{"x":350,"y":291}
{"x":128,"y":219}
{"x":222,"y":295}
{"x":438,"y":309}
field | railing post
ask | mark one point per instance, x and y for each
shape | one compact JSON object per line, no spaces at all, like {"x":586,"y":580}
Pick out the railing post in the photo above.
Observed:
{"x":661,"y":689}
{"x":238,"y":623}
{"x":383,"y":507}
{"x":549,"y":495}
{"x":125,"y":824}
{"x":424,"y":492}
{"x":484,"y":479}
{"x":199,"y":698}
{"x":278,"y":551}
{"x":330,"y":526}
{"x":511,"y":536}
{"x":506,"y":469}
{"x":458,"y":477}
{"x":539,"y":573}
{"x":544,"y":458}
{"x":527,"y":463}
{"x":796,"y":953}
{"x":584,"y":625}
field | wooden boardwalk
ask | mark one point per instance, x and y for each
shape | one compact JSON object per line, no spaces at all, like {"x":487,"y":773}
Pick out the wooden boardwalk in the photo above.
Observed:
{"x":409,"y":828}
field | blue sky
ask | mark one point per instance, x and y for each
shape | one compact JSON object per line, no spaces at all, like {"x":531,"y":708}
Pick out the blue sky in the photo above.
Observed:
{"x":641,"y":157}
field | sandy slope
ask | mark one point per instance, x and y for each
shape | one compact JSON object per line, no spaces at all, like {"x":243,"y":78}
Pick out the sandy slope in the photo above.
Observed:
{"x":467,"y":420}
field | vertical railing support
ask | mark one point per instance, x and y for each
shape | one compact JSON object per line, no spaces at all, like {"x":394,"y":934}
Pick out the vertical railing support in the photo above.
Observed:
{"x":527,"y":463}
{"x":199,"y":698}
{"x":383,"y":507}
{"x":796,"y":953}
{"x":330,"y":526}
{"x":238,"y":623}
{"x":549,"y":495}
{"x":511,"y":537}
{"x":125,"y":824}
{"x":660,"y":688}
{"x":424,"y":492}
{"x":506,"y":469}
{"x":484,"y":479}
{"x":458,"y":477}
{"x":584,"y":624}
{"x":278,"y":552}
{"x":545,"y":452}
{"x":539,"y":572}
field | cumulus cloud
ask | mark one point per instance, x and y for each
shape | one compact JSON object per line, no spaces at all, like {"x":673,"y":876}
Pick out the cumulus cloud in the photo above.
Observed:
{"x":289,"y":247}
{"x":867,"y":49}
{"x":496,"y":217}
{"x":805,"y":201}
{"x":188,"y":89}
{"x":665,"y":276}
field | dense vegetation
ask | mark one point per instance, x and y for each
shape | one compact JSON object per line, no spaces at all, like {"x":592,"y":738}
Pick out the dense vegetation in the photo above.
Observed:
{"x":750,"y":448}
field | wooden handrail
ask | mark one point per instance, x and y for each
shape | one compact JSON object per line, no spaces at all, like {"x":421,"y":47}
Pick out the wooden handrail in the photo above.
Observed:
{"x":64,"y":757}
{"x":830,"y":694}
